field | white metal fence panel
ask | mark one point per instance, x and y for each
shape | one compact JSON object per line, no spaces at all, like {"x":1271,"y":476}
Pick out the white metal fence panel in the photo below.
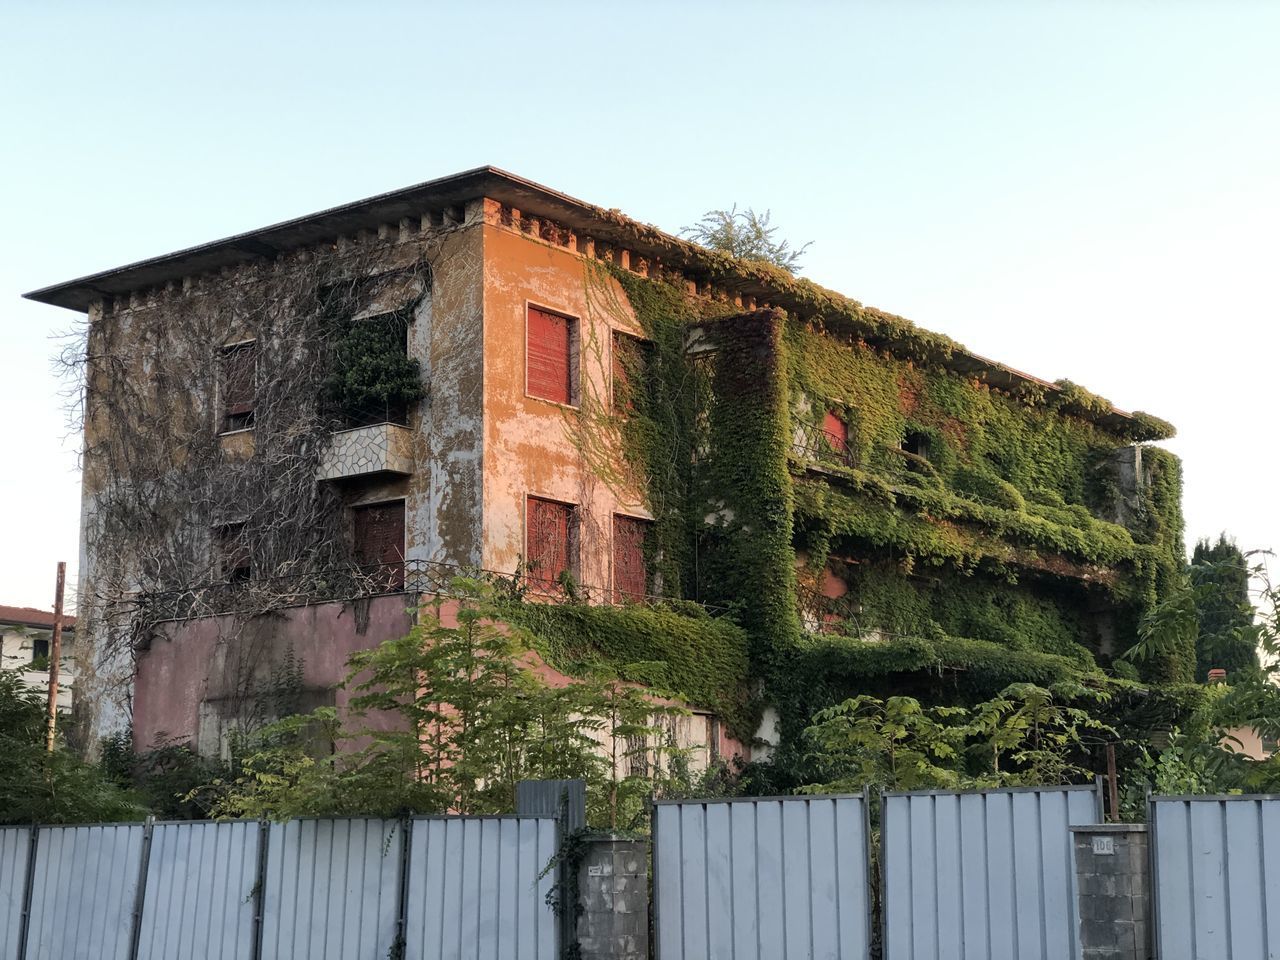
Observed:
{"x":1217,"y":877}
{"x":84,"y":892}
{"x":984,"y":875}
{"x":762,"y":879}
{"x":332,"y":889}
{"x":199,"y":892}
{"x":15,"y":852}
{"x":478,"y":888}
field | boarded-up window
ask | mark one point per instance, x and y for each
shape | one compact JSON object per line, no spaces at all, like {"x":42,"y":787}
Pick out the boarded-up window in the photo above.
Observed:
{"x":379,"y":543}
{"x":836,"y":432}
{"x":630,"y":573}
{"x":549,"y":540}
{"x":550,"y":348}
{"x":237,"y":386}
{"x":234,"y":561}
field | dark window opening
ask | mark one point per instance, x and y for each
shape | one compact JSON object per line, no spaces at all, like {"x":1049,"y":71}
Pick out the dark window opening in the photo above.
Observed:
{"x":630,"y":570}
{"x":549,"y":541}
{"x":916,"y":444}
{"x":234,"y":562}
{"x":379,"y":543}
{"x":237,"y":386}
{"x":551,"y":354}
{"x":374,"y":379}
{"x":40,"y":654}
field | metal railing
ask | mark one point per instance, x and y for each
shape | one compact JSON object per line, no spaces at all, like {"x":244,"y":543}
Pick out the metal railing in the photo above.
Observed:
{"x":816,"y":445}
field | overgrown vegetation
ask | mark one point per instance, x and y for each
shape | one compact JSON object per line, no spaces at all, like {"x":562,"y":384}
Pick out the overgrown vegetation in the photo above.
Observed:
{"x":746,"y":235}
{"x":37,"y":785}
{"x":449,"y":719}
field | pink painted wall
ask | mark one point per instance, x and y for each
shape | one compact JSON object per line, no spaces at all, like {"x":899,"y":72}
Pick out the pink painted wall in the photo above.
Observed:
{"x":210,"y":658}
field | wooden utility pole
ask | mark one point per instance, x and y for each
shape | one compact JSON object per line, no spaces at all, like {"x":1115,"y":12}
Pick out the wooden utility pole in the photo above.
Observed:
{"x":55,"y":654}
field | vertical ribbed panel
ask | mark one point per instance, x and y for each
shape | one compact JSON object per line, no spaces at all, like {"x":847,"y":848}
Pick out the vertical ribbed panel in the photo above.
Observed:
{"x":199,"y":892}
{"x":984,"y":875}
{"x":1217,"y":877}
{"x":332,"y":889}
{"x":778,"y":879}
{"x":15,"y":850}
{"x":475,"y":890}
{"x":84,"y":892}
{"x":551,"y":798}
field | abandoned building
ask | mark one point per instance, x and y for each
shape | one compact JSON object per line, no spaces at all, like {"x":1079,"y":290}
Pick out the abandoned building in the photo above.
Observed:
{"x":710,"y":475}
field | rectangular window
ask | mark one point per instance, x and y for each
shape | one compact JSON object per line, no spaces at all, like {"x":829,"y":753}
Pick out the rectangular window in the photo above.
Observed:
{"x":237,"y":385}
{"x":549,"y":541}
{"x":234,"y":561}
{"x":551,"y":356}
{"x":630,"y":572}
{"x":40,"y":651}
{"x":379,"y":543}
{"x":631,"y":359}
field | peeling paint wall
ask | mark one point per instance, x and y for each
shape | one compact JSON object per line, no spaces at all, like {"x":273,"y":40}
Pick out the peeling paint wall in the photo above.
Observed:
{"x":529,"y":443}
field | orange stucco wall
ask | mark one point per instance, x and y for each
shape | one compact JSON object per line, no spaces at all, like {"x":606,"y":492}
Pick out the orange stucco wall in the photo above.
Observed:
{"x":533,"y":446}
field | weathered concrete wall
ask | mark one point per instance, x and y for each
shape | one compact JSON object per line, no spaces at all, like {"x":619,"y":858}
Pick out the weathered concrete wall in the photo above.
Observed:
{"x":1113,"y":884}
{"x":613,"y":889}
{"x":194,"y":673}
{"x":534,"y":446}
{"x":153,"y":433}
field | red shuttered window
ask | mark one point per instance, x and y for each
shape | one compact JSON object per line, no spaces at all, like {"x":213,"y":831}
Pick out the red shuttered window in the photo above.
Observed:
{"x":548,"y":540}
{"x":379,"y":543}
{"x":836,"y":432}
{"x":238,"y":385}
{"x":630,"y":574}
{"x":549,"y":352}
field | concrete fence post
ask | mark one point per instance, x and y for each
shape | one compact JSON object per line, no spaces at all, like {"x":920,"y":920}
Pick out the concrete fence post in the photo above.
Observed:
{"x":1114,"y":890}
{"x":613,"y":887}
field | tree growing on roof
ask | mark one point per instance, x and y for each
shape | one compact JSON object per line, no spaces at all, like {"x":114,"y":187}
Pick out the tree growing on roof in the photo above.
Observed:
{"x":746,"y":235}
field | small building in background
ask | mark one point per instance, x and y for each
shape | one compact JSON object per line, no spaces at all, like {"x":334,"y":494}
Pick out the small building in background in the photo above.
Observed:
{"x":25,"y":638}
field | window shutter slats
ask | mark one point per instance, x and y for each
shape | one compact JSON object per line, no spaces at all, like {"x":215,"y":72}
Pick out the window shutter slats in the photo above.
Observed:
{"x":630,"y":576}
{"x":379,"y":542}
{"x":547,"y":548}
{"x":548,"y":353}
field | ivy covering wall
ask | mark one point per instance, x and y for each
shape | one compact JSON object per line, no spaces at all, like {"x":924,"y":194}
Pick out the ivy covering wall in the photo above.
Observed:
{"x":983,"y":537}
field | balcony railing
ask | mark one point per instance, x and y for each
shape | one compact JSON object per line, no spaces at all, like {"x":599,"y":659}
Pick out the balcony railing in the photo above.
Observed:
{"x":355,"y":582}
{"x":812,"y":443}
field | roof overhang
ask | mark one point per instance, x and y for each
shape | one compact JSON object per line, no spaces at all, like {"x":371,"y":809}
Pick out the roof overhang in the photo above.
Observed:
{"x":532,"y":199}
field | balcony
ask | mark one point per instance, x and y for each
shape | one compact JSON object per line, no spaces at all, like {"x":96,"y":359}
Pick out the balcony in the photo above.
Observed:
{"x":361,"y":451}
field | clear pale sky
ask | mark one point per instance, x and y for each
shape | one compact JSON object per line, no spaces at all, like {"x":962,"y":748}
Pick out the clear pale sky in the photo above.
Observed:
{"x":1080,"y":190}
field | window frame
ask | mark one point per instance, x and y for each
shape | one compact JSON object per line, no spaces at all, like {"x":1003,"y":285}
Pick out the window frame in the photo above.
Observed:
{"x":223,"y":416}
{"x":614,"y":590}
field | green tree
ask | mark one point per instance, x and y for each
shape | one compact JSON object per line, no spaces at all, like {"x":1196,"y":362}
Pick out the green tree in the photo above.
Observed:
{"x":1219,"y":575}
{"x":894,"y":743}
{"x":746,"y":235}
{"x":37,"y":785}
{"x":451,"y":718}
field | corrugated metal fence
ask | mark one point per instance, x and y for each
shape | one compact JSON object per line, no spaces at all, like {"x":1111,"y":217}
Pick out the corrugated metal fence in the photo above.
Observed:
{"x":762,"y":879}
{"x":1217,"y":877}
{"x":15,"y":852}
{"x":984,"y":875}
{"x":326,"y":888}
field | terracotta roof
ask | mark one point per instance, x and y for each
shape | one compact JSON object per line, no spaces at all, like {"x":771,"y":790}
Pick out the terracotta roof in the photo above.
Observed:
{"x":31,"y":617}
{"x":767,"y":284}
